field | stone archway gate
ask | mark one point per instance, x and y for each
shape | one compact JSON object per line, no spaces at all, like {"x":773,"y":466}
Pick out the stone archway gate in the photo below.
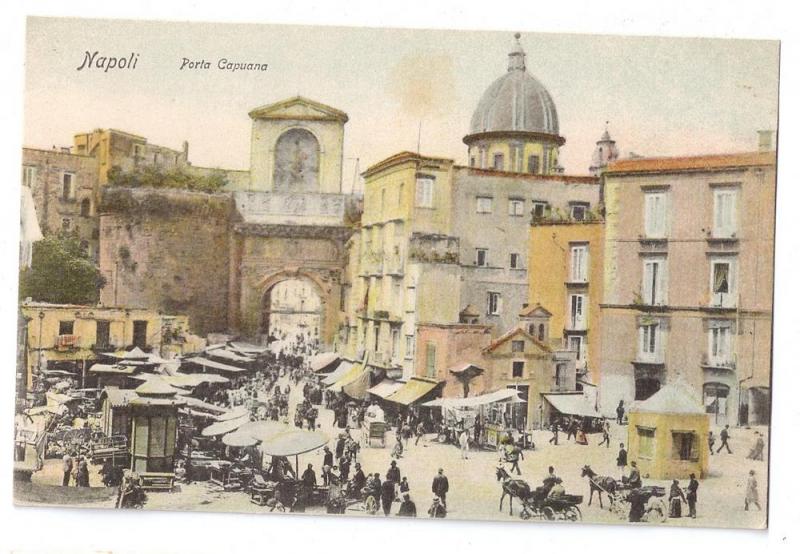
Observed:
{"x":309,"y":244}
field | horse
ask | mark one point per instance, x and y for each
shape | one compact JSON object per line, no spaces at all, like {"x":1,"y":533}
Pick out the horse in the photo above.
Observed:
{"x":512,"y":488}
{"x":599,"y":483}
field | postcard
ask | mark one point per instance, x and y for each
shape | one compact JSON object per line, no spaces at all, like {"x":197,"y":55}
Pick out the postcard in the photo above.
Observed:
{"x":373,"y":272}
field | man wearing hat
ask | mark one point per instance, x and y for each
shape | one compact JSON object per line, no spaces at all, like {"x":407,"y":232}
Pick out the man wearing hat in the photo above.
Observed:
{"x":437,"y":509}
{"x":359,"y":479}
{"x":691,"y":496}
{"x":440,"y":486}
{"x":407,"y":507}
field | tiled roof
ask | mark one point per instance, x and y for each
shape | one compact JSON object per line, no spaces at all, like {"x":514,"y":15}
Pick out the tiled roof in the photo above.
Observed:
{"x":689,"y":163}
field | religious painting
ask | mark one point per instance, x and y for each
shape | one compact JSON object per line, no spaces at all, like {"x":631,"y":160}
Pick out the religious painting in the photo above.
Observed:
{"x":296,"y":162}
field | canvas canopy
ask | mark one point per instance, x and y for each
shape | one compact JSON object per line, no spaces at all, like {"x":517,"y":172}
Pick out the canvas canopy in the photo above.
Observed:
{"x":412,"y":391}
{"x":502,"y":395}
{"x":321,"y":361}
{"x":572,"y":404}
{"x":211,"y":364}
{"x":340,"y":371}
{"x":223,"y":427}
{"x":293,"y":443}
{"x":385,"y":388}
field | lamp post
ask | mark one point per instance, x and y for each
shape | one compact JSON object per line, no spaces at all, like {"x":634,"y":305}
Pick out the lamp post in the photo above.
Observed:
{"x":39,"y":356}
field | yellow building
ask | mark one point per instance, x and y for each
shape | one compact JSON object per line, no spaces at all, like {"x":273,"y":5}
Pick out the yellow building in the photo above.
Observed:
{"x":515,"y":127}
{"x":406,"y":258}
{"x":565,"y":276}
{"x":69,"y":338}
{"x":667,"y":432}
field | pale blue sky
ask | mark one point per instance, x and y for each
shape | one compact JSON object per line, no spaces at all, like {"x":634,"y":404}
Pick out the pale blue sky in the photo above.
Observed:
{"x":662,"y":96}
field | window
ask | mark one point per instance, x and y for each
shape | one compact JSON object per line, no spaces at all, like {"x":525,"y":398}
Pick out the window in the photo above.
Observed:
{"x":482,"y":257}
{"x":425,"y":184}
{"x":377,"y":331}
{"x":561,"y":376}
{"x":493,"y":303}
{"x":395,"y":342}
{"x":516,"y":207}
{"x":430,"y":360}
{"x":578,"y":211}
{"x":67,"y":186}
{"x":483,"y":204}
{"x":103,"y":334}
{"x":86,"y":207}
{"x":383,"y":201}
{"x":140,"y":334}
{"x":138,"y":150}
{"x":655,"y":215}
{"x":472,"y":161}
{"x":540,"y":210}
{"x":28,"y":174}
{"x":720,"y":352}
{"x":723,"y":286}
{"x":400,"y":191}
{"x":66,"y":327}
{"x":654,"y":279}
{"x":533,"y":164}
{"x":541,"y":332}
{"x":725,"y":212}
{"x":577,"y":311}
{"x":497,"y":162}
{"x":684,"y":446}
{"x":647,"y":439}
{"x":649,"y":343}
{"x":579,"y":256}
{"x":518,"y":346}
{"x":409,"y":347}
{"x":516,"y":261}
{"x":575,"y":344}
{"x":516,"y":369}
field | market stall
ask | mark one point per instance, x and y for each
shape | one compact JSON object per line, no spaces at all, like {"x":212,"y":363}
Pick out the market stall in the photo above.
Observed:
{"x":485,"y":410}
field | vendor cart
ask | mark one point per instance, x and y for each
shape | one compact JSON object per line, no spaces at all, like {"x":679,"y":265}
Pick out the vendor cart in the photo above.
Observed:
{"x":374,"y":430}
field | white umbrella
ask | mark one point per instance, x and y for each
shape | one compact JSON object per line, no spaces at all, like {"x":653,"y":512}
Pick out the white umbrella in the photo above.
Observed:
{"x":223,"y":427}
{"x":238,"y":439}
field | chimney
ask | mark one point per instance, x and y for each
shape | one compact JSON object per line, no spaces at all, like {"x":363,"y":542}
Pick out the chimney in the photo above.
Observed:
{"x":765,"y":140}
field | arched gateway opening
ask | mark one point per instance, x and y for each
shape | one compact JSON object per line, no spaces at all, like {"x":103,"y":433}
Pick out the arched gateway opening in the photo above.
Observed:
{"x":292,"y":314}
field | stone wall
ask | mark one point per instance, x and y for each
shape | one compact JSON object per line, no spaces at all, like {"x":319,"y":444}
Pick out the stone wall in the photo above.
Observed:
{"x":167,"y":251}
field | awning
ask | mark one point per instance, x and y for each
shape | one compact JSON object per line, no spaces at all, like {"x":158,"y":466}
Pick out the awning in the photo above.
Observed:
{"x":386,"y":388}
{"x":572,"y":404}
{"x":322,"y":361}
{"x":221,"y":351}
{"x":223,"y":427}
{"x":215,"y":365}
{"x":293,"y":443}
{"x":502,"y":395}
{"x":198,"y":404}
{"x":113,"y":369}
{"x":352,"y":376}
{"x":340,"y":371}
{"x":413,"y":391}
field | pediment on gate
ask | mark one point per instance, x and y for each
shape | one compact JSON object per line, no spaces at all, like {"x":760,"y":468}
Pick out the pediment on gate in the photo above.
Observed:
{"x":299,"y":108}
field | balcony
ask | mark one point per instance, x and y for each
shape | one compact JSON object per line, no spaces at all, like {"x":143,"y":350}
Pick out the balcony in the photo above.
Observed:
{"x":66,"y":342}
{"x":719,"y":362}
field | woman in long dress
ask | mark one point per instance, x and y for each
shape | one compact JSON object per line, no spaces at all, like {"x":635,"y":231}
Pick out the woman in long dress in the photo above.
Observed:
{"x":751,"y":495}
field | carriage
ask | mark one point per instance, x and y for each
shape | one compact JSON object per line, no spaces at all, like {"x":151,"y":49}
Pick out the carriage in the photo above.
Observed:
{"x":655,"y":509}
{"x":553,"y":508}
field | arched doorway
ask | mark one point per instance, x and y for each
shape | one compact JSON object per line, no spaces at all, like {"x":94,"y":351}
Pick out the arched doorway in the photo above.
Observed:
{"x":715,"y":398}
{"x":292,"y":314}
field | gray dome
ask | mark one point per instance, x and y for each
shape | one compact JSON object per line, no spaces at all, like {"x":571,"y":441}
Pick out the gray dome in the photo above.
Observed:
{"x":516,"y":102}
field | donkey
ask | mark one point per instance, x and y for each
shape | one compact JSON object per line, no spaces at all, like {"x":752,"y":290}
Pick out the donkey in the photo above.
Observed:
{"x":512,"y":488}
{"x":599,"y":483}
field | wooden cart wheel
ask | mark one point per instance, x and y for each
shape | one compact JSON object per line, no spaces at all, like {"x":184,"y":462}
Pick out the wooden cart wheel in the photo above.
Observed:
{"x":657,"y":512}
{"x":525,"y":514}
{"x":573,"y":513}
{"x":370,"y":506}
{"x":548,"y":513}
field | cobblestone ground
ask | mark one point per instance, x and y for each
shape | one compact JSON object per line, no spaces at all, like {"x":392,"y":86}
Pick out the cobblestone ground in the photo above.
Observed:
{"x":474,"y":490}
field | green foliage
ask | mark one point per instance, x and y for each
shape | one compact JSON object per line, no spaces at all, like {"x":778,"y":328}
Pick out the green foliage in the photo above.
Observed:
{"x":61,"y":273}
{"x":153,"y":177}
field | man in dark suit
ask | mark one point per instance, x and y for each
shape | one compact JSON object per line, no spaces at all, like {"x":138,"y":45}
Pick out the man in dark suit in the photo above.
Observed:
{"x":440,"y":486}
{"x":691,"y":496}
{"x":407,"y":507}
{"x":309,"y":479}
{"x":723,"y":437}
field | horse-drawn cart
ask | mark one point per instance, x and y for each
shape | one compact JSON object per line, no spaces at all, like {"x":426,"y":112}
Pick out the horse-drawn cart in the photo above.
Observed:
{"x":563,"y":507}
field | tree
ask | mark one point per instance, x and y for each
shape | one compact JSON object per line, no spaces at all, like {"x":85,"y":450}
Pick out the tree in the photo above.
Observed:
{"x":61,"y":272}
